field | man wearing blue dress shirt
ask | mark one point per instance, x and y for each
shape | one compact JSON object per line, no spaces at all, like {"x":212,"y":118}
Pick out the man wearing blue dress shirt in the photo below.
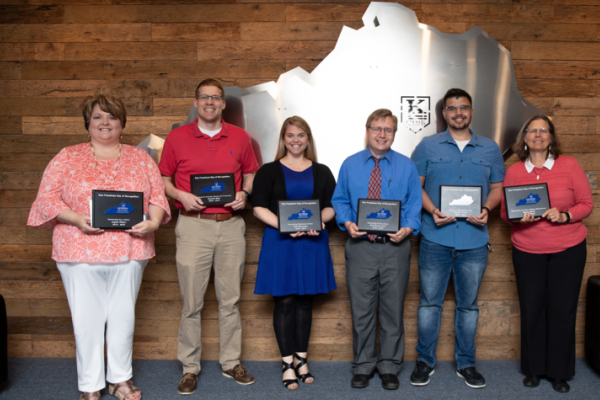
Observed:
{"x":455,"y":157}
{"x":377,"y":267}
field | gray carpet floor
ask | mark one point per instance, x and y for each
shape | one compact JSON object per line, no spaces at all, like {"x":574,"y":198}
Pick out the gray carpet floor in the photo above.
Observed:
{"x":47,"y":379}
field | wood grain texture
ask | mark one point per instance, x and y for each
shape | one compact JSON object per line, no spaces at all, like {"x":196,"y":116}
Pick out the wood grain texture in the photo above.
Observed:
{"x":75,"y":126}
{"x":154,"y":52}
{"x":32,"y":51}
{"x":174,"y":13}
{"x":536,"y":69}
{"x":10,"y":125}
{"x":295,"y":30}
{"x":537,"y":50}
{"x":10,"y":70}
{"x":578,"y":14}
{"x":129,"y":51}
{"x":50,"y":14}
{"x":542,"y":31}
{"x":206,"y":32}
{"x":34,"y":33}
{"x":557,"y":87}
{"x":265,"y":49}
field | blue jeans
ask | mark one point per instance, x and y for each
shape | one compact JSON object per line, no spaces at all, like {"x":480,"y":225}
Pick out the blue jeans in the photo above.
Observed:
{"x":435,"y":264}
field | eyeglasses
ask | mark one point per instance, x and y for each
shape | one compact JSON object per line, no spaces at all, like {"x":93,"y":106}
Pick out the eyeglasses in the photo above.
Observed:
{"x":535,"y":130}
{"x":204,"y":97}
{"x":378,"y":129}
{"x":453,"y":109}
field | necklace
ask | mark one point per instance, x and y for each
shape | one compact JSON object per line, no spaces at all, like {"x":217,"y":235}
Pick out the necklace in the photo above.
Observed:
{"x":538,"y":171}
{"x":114,"y":173}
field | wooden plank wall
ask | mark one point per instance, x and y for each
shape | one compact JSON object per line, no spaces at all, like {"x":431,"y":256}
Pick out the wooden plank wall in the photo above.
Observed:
{"x":154,"y":52}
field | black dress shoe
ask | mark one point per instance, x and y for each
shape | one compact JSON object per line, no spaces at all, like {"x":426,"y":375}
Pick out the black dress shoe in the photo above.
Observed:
{"x":360,"y":381}
{"x":559,"y":385}
{"x":390,"y":382}
{"x":531,"y":381}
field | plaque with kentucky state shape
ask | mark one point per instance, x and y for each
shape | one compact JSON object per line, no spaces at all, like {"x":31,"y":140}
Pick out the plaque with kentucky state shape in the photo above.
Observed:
{"x":460,"y":202}
{"x":378,"y":216}
{"x":213,"y":189}
{"x":519,"y":200}
{"x":116,"y":210}
{"x":299,"y":216}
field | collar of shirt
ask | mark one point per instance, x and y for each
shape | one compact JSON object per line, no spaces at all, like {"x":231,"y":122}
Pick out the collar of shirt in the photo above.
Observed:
{"x":198,"y":133}
{"x":367,"y":155}
{"x":446,"y":137}
{"x":549,"y":163}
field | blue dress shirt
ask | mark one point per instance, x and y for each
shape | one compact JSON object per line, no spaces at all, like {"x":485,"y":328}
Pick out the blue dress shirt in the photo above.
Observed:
{"x":399,"y":181}
{"x":441,"y":162}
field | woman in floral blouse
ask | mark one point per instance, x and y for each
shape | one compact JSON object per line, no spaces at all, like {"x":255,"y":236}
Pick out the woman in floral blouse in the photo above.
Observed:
{"x":101,"y":269}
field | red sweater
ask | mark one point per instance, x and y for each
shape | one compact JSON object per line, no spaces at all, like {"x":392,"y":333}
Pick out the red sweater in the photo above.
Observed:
{"x":569,"y":190}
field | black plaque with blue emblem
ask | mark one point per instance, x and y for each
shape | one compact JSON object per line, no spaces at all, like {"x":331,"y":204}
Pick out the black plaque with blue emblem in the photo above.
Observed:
{"x":213,"y":189}
{"x":299,"y":216}
{"x":116,"y":209}
{"x":519,"y":200}
{"x":378,"y":216}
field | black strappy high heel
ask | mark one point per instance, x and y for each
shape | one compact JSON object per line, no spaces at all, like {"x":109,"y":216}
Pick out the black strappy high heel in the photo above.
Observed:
{"x":302,"y":362}
{"x":288,"y":382}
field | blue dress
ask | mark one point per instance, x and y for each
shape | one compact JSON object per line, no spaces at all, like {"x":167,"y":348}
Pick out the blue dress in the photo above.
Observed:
{"x":290,"y":265}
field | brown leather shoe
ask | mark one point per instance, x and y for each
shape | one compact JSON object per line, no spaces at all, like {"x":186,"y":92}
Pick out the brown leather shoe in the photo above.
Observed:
{"x":188,"y":383}
{"x":240,"y":375}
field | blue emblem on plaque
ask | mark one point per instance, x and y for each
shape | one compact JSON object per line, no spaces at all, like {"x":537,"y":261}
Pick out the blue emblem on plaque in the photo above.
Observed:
{"x":123,"y":208}
{"x":381,"y":214}
{"x":302,"y":214}
{"x":217,"y":187}
{"x":531,"y":199}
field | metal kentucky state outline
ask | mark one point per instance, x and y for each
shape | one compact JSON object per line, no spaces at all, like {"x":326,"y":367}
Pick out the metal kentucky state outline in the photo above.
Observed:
{"x":392,"y":62}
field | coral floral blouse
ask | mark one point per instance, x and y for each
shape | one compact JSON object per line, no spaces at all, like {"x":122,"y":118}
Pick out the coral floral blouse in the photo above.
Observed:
{"x":67,"y":185}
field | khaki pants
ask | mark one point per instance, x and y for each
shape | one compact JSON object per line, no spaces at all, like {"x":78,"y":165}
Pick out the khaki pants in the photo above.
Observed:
{"x":201,"y":244}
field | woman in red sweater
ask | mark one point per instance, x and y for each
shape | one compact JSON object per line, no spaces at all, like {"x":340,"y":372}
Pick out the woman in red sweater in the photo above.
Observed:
{"x":549,"y":254}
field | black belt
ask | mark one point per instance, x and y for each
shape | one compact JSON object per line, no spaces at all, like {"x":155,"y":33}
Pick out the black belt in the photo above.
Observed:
{"x":381,"y":239}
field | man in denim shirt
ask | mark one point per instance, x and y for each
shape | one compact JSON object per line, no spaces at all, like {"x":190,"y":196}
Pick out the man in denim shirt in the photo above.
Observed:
{"x":377,"y":266}
{"x":455,"y":157}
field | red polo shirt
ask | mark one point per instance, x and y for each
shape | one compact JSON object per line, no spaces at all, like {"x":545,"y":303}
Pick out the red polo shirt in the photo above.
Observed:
{"x":188,"y":151}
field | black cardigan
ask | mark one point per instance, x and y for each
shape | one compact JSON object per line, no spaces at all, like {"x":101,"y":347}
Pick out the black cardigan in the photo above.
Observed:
{"x":269,"y":186}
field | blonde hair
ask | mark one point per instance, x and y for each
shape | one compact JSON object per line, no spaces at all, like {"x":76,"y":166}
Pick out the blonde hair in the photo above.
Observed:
{"x":108,"y":102}
{"x":310,"y":152}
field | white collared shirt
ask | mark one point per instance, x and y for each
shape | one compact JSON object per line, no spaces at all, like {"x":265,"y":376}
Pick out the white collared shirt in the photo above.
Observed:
{"x":549,"y":163}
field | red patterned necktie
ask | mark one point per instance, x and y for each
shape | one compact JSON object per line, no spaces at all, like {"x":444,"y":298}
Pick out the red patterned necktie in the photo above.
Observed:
{"x":375,"y":188}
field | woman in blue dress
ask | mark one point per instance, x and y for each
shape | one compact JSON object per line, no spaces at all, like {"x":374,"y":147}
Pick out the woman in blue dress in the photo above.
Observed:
{"x":293,"y":268}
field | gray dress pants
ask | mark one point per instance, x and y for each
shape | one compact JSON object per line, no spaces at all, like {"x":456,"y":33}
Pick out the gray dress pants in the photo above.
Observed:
{"x":377,"y":277}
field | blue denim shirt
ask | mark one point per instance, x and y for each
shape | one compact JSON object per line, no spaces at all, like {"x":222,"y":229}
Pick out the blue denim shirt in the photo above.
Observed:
{"x":439,"y":159}
{"x":399,"y":181}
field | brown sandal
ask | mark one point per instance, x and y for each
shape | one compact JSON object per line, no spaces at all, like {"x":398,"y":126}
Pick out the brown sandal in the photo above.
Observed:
{"x":113,"y":390}
{"x":90,"y":396}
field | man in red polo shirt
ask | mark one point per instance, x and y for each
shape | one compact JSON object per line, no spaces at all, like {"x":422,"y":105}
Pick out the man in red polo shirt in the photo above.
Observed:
{"x":208,"y":236}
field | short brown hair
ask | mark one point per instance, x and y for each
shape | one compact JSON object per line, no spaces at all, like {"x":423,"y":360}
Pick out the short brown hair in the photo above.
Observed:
{"x":519,"y":146}
{"x":382,"y":113}
{"x":210,"y":82}
{"x":109,"y":102}
{"x":310,"y":152}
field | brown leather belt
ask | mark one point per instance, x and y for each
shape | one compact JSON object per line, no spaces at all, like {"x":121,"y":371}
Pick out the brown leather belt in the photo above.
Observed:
{"x":212,"y":217}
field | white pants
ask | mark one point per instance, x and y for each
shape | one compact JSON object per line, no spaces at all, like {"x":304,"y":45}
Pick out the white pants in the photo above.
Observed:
{"x":102,"y":294}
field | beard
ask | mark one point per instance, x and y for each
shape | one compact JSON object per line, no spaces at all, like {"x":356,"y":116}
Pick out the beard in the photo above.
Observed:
{"x":464,"y":125}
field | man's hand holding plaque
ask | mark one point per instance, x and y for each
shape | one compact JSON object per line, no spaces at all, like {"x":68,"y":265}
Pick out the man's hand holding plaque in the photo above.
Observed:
{"x":378,"y":216}
{"x":213,"y":189}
